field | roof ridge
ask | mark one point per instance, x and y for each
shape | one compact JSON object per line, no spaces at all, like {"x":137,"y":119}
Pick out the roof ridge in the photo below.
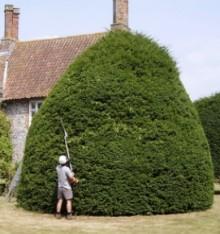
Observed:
{"x":64,"y":37}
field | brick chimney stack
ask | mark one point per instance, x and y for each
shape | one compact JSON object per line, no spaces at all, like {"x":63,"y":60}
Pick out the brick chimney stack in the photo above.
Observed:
{"x":11,"y":22}
{"x":120,"y":15}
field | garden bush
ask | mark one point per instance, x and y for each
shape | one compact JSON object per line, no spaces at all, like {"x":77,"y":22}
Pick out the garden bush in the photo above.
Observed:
{"x":5,"y":152}
{"x":209,"y":112}
{"x":135,"y":139}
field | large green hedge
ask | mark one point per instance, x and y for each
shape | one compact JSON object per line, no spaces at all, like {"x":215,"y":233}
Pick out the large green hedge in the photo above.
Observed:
{"x":209,"y":112}
{"x":135,"y":138}
{"x":5,"y":151}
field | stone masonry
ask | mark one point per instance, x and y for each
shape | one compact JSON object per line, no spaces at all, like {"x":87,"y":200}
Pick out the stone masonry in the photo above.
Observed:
{"x":18,"y":114}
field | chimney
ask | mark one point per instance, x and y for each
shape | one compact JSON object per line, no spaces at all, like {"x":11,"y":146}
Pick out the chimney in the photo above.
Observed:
{"x":11,"y":22}
{"x":120,"y":15}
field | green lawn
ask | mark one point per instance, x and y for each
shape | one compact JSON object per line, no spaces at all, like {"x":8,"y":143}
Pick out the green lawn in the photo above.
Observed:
{"x":15,"y":220}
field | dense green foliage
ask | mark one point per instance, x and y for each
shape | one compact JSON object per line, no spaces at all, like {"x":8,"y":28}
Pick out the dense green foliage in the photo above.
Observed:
{"x":135,"y":138}
{"x":209,"y":112}
{"x":5,"y":151}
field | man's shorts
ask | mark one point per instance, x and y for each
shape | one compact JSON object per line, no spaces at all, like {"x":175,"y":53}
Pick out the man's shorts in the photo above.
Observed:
{"x":64,"y":193}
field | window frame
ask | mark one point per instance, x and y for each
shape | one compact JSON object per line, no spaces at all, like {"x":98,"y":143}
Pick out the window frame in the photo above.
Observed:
{"x":36,"y":108}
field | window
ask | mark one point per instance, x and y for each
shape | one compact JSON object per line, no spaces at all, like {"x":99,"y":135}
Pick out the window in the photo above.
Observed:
{"x":34,"y":106}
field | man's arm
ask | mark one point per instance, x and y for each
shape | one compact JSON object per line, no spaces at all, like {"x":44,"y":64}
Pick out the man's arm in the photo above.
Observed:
{"x":71,"y":178}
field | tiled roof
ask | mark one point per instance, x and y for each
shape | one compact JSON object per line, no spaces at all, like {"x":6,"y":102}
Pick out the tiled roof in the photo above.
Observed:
{"x":35,"y":66}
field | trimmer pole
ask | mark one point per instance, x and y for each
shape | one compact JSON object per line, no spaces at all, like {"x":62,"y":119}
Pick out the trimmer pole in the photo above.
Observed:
{"x":66,"y":144}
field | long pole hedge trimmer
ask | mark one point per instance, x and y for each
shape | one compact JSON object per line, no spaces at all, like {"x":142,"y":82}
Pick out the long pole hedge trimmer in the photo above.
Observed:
{"x":66,"y":144}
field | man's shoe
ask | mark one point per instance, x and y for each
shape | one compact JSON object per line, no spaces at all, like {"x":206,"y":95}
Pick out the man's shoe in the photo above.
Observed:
{"x":58,"y":216}
{"x":69,"y":216}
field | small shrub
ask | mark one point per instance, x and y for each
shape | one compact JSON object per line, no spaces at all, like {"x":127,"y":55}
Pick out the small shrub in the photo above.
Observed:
{"x":209,"y":112}
{"x":5,"y":152}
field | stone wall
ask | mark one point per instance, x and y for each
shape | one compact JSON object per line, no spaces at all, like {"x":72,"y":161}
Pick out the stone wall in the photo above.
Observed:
{"x":18,"y":114}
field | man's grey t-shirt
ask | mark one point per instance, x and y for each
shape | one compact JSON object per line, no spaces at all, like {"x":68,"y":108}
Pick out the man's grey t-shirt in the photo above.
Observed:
{"x":63,"y":172}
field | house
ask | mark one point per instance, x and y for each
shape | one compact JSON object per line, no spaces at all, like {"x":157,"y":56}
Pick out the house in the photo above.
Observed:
{"x":30,"y":69}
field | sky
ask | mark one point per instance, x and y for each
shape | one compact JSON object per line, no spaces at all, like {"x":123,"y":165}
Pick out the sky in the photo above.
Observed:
{"x":188,"y":28}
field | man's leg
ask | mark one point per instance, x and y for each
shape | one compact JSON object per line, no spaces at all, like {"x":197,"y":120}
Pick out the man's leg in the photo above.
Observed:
{"x":59,"y":202}
{"x":69,"y":206}
{"x":58,"y":208}
{"x":68,"y":195}
{"x":59,"y":205}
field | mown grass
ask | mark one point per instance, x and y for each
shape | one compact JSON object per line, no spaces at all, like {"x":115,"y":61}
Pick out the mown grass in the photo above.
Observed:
{"x":17,"y":221}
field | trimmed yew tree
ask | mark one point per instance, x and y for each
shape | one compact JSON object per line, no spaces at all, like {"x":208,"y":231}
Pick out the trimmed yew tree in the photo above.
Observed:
{"x":209,"y":112}
{"x":134,"y":136}
{"x":5,"y":151}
